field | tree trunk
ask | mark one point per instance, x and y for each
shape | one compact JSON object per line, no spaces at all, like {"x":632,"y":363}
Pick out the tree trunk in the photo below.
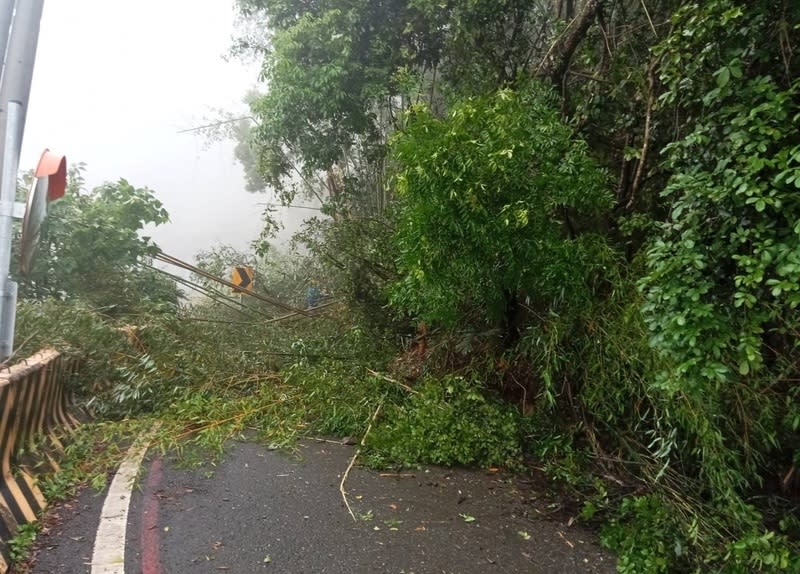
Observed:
{"x":558,"y":58}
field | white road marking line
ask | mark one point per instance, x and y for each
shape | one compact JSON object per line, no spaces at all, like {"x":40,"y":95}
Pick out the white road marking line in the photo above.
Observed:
{"x":109,"y":543}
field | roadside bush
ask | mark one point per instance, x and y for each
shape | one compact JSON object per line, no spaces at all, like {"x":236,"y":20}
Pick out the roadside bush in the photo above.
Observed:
{"x":654,"y":534}
{"x":75,"y":329}
{"x":495,"y":205}
{"x":646,"y":535}
{"x":448,"y":421}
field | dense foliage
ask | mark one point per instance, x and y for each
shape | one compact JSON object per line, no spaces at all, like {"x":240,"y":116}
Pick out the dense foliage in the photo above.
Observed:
{"x":91,"y":249}
{"x":490,"y":204}
{"x":630,"y":234}
{"x":565,"y":230}
{"x":448,"y":421}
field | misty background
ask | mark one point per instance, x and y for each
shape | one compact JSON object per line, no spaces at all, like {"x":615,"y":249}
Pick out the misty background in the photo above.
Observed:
{"x":115,"y":81}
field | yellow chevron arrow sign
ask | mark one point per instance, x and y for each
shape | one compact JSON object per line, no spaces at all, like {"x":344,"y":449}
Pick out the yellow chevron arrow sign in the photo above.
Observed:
{"x":244,"y":278}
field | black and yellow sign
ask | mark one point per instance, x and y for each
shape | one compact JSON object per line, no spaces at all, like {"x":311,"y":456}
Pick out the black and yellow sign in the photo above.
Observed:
{"x":244,"y":279}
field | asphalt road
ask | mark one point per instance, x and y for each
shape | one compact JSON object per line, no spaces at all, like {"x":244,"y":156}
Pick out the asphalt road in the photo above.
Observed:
{"x":265,"y":511}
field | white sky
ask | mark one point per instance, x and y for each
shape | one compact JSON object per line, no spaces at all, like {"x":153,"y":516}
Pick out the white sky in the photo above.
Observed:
{"x":114,"y":82}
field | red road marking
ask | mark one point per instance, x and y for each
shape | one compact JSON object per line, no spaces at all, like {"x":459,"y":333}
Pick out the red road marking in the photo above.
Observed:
{"x":149,"y":539}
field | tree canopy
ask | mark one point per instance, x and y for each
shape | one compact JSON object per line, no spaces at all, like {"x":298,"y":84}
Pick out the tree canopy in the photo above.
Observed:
{"x":92,"y":248}
{"x":490,"y":205}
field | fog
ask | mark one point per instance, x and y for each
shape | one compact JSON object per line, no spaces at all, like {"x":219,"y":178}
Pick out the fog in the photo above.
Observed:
{"x":117,"y":80}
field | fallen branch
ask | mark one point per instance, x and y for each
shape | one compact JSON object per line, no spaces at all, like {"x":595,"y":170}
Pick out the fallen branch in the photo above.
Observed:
{"x":7,"y":363}
{"x":318,"y":439}
{"x":390,"y":380}
{"x":163,"y":257}
{"x":217,"y":423}
{"x":311,"y":310}
{"x":353,"y":460}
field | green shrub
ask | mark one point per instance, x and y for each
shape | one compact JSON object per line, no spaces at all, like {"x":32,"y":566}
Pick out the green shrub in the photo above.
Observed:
{"x":449,"y":421}
{"x":762,"y":551}
{"x":654,"y":534}
{"x":336,"y":398}
{"x":493,"y":207}
{"x":646,"y":535}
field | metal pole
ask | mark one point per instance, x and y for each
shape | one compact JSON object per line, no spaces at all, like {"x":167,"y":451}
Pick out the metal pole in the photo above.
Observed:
{"x":8,"y":186}
{"x":9,"y":311}
{"x":6,"y":16}
{"x":14,"y":92}
{"x":21,"y":54}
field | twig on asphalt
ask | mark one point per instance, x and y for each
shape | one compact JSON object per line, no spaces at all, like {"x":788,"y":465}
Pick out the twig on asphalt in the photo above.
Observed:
{"x":318,"y":439}
{"x":353,"y":460}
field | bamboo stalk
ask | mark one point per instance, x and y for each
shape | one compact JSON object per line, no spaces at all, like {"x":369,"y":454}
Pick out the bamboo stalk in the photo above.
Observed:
{"x":353,"y":460}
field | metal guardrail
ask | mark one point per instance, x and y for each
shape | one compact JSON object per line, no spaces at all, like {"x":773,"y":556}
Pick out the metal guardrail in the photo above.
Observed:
{"x":34,"y":405}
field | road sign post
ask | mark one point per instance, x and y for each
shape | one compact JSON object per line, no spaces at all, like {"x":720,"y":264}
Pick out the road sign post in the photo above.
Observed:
{"x":8,"y":186}
{"x":15,"y":86}
{"x":6,"y":15}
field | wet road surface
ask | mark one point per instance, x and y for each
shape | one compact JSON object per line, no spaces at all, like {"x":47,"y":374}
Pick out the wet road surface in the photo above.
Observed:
{"x":260,"y":510}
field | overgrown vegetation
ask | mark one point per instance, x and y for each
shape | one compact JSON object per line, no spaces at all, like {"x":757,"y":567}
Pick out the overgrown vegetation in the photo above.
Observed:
{"x":489,"y":204}
{"x":559,"y":230}
{"x":91,"y":249}
{"x":647,"y":317}
{"x":21,"y":543}
{"x":448,"y":421}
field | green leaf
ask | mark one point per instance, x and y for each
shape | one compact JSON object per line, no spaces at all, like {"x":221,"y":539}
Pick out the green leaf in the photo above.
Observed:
{"x":744,"y":367}
{"x":723,"y":76}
